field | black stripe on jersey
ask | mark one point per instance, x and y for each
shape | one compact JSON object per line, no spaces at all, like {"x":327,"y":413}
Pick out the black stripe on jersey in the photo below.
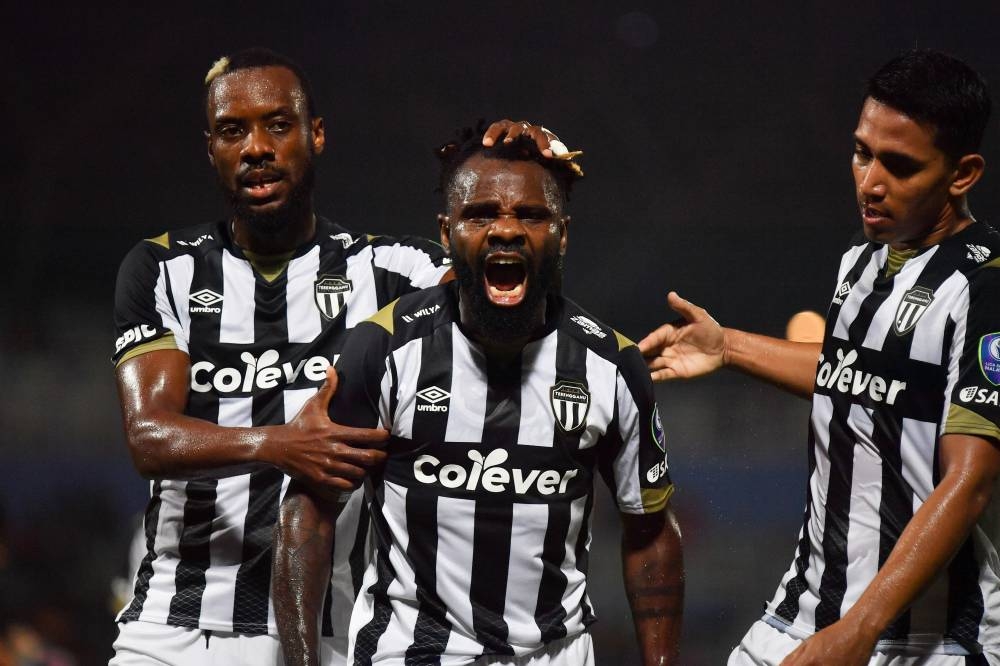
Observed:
{"x":430,"y":633}
{"x":583,"y":555}
{"x":358,"y":551}
{"x":852,"y":277}
{"x":253,"y":580}
{"x":788,"y":608}
{"x":571,"y":365}
{"x":965,"y":599}
{"x":366,"y":642}
{"x":195,"y":556}
{"x":170,"y":293}
{"x":146,"y":566}
{"x":503,"y":405}
{"x":429,"y":424}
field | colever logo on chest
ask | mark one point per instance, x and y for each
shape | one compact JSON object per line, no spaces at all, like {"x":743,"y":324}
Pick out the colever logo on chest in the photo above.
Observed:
{"x":854,"y":381}
{"x":257,"y":373}
{"x":487,"y":474}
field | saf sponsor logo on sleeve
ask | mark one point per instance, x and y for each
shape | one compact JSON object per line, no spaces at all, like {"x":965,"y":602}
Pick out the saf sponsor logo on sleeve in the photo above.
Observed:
{"x":979,"y":396}
{"x":989,"y":357}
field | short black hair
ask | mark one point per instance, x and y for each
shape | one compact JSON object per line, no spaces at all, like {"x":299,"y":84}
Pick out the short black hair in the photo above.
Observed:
{"x":936,"y":88}
{"x":468,"y":142}
{"x":259,"y":57}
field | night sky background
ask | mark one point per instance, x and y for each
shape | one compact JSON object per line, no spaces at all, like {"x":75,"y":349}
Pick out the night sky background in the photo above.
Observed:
{"x":716,"y":137}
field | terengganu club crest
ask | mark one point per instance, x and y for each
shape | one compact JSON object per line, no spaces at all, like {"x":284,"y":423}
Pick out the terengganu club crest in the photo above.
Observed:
{"x":914,"y":304}
{"x":570,"y":403}
{"x":331,"y":294}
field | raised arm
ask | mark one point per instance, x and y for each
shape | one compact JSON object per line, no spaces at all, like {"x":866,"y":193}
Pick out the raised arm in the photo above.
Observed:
{"x":970,"y":467}
{"x":653,"y":570}
{"x":303,"y":543}
{"x":166,"y":443}
{"x":697,"y":345}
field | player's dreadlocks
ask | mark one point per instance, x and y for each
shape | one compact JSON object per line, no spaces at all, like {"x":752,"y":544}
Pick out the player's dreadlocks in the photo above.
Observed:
{"x":468,"y":142}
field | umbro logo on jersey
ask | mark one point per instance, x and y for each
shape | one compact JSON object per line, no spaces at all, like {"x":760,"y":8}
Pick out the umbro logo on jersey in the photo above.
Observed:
{"x":345,"y":239}
{"x":331,"y":294}
{"x":197,"y":241}
{"x":570,"y":403}
{"x":842,"y":291}
{"x":486,"y":473}
{"x":258,"y":372}
{"x":428,"y":399}
{"x":206,"y":300}
{"x":588,"y":325}
{"x":977,"y":253}
{"x":850,"y":381}
{"x":989,"y":357}
{"x":979,"y":396}
{"x":913,"y":305}
{"x":422,"y":312}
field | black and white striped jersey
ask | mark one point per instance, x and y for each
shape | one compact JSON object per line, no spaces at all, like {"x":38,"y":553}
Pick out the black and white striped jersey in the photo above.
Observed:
{"x":908,"y":356}
{"x":259,"y":345}
{"x":482,"y":513}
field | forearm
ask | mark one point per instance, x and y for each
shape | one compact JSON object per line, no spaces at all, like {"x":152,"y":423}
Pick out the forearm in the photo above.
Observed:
{"x":653,"y":572}
{"x":788,"y":365}
{"x":301,"y":569}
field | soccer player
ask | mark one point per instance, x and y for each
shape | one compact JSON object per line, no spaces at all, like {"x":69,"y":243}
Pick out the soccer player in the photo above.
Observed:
{"x":897,"y":559}
{"x":503,"y":400}
{"x":225,"y":331}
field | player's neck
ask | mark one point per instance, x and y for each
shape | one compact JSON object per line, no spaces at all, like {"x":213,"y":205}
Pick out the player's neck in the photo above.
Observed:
{"x":295,"y":232}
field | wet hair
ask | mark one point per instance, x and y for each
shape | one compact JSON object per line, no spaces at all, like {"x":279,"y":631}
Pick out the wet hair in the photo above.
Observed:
{"x":253,"y":58}
{"x":468,"y":141}
{"x":935,"y":88}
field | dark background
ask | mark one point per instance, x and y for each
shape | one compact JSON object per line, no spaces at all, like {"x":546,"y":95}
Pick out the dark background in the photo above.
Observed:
{"x":717,"y":140}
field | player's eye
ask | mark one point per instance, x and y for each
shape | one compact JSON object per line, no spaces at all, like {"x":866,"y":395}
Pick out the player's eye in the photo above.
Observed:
{"x":229,"y":131}
{"x":280,"y":126}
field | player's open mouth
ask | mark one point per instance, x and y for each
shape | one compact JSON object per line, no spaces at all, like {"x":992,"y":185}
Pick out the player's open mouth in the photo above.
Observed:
{"x":260,"y":184}
{"x":506,"y":279}
{"x":873,"y":215}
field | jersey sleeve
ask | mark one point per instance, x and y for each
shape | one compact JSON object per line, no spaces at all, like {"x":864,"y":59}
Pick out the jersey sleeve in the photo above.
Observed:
{"x":144,"y":318}
{"x":408,"y":264}
{"x":634,"y":463}
{"x":975,"y":392}
{"x":362,"y":373}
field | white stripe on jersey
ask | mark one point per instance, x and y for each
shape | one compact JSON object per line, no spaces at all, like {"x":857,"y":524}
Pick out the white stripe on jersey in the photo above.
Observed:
{"x":453,"y":579}
{"x":863,"y":287}
{"x":602,"y":378}
{"x":362,"y":302}
{"x":527,"y":537}
{"x":538,"y":374}
{"x":866,"y":493}
{"x":163,"y":583}
{"x":885,"y":317}
{"x":626,"y":464}
{"x":466,"y":413}
{"x":926,"y":345}
{"x":400,"y":258}
{"x":236,"y":324}
{"x":407,"y":359}
{"x":847,"y":262}
{"x":575,"y":595}
{"x":961,"y":318}
{"x":181,"y":272}
{"x":918,"y":458}
{"x":304,"y":319}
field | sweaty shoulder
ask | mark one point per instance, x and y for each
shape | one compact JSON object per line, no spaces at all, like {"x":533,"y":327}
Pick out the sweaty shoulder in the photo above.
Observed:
{"x":600,"y":338}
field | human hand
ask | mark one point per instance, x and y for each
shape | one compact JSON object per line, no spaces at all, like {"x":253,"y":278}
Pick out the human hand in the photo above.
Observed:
{"x":322,"y":454}
{"x":548,"y":143}
{"x":689,"y":347}
{"x":842,"y":643}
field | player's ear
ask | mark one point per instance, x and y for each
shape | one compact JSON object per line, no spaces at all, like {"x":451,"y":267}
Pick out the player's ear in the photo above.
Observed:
{"x":318,"y":135}
{"x":968,"y":171}
{"x":208,"y":147}
{"x":563,"y":234}
{"x":444,"y":225}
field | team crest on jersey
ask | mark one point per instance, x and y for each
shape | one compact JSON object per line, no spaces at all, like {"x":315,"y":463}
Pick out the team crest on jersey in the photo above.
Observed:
{"x":977,"y":253}
{"x":570,"y":403}
{"x":656,"y":426}
{"x":331,"y":294}
{"x":842,"y":291}
{"x":911,"y":308}
{"x":989,"y":357}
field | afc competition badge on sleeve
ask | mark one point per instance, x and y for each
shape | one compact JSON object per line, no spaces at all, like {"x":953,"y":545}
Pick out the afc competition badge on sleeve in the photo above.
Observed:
{"x":989,"y":357}
{"x":331,"y":294}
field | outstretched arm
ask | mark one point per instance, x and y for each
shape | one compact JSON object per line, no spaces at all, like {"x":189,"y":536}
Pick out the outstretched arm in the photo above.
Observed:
{"x":970,"y":466}
{"x":166,"y":443}
{"x":653,"y":570}
{"x":303,"y":543}
{"x":697,"y":345}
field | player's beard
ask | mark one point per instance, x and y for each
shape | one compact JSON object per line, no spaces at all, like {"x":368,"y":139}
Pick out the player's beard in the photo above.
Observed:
{"x":270,"y":223}
{"x":511,"y":322}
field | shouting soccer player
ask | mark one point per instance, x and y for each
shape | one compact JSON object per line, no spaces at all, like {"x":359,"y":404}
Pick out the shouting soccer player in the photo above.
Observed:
{"x":503,"y":400}
{"x":897,"y":560}
{"x":225,"y":331}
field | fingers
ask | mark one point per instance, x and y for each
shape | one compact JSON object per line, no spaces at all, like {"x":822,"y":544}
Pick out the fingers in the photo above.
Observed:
{"x":363,"y":437}
{"x":510,"y":130}
{"x":685,"y":308}
{"x":653,"y":343}
{"x":326,"y":391}
{"x":496,"y":131}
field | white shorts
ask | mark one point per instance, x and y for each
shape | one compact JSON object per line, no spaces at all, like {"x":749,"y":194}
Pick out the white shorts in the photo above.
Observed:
{"x":151,"y":643}
{"x":572,"y":651}
{"x":765,"y":645}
